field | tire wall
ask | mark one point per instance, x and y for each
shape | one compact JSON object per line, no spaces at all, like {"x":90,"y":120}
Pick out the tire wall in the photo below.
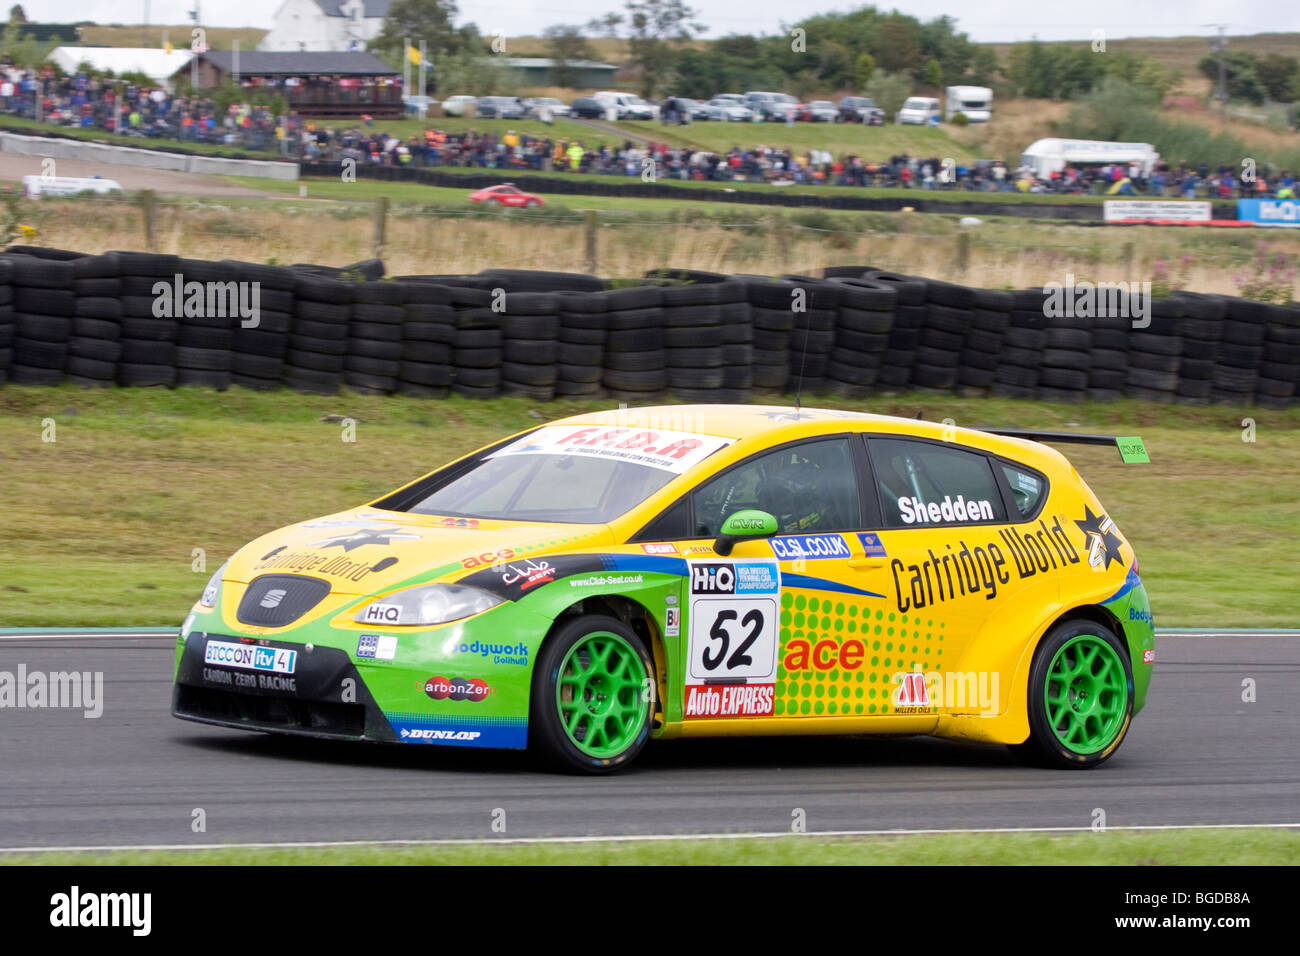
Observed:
{"x":115,"y":319}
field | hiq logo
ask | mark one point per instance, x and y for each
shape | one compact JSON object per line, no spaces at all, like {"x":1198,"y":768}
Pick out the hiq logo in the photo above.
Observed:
{"x":383,"y":614}
{"x":713,"y":579}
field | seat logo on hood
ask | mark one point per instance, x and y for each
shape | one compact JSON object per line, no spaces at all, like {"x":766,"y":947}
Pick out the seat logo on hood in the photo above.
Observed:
{"x":273,"y":597}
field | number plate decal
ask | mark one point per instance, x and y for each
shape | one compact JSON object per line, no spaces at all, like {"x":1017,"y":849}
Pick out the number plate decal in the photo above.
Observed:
{"x":732,"y":651}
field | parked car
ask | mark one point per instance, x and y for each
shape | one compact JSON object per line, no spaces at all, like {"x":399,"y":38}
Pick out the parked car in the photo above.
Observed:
{"x":501,"y":107}
{"x":860,"y":109}
{"x":506,"y":194}
{"x":459,"y":105}
{"x":727,"y":111}
{"x":587,"y":107}
{"x":773,"y":107}
{"x":629,"y":105}
{"x":694,"y":109}
{"x":819,"y":111}
{"x":534,"y":105}
{"x":919,"y":111}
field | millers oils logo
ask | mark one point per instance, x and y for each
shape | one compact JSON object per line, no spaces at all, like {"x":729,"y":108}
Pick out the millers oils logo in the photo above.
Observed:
{"x":457,"y":688}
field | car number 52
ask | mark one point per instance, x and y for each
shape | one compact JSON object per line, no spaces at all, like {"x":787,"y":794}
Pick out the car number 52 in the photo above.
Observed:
{"x":731,"y":638}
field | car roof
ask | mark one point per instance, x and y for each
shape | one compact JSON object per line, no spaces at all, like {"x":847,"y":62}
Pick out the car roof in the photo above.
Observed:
{"x":773,"y":424}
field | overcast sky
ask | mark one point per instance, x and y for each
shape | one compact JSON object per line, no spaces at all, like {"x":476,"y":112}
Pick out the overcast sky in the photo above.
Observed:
{"x":985,"y":20}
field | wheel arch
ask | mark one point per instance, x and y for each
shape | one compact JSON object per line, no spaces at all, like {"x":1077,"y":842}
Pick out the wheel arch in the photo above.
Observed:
{"x":636,"y":616}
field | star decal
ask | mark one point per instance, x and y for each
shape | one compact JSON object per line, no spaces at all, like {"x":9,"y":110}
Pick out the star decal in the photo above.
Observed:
{"x":1103,"y":543}
{"x":364,"y":537}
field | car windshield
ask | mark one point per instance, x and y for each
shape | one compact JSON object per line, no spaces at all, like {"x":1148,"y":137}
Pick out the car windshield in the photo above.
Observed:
{"x":582,"y":474}
{"x":567,"y":488}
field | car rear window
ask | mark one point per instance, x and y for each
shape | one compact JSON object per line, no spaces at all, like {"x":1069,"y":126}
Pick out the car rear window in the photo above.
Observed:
{"x":924,"y":484}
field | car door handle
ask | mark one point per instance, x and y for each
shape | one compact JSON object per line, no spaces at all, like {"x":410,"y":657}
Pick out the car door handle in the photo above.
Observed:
{"x":865,"y":564}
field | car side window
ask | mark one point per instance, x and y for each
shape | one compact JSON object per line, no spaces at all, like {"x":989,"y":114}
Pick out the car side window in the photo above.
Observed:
{"x":809,"y":487}
{"x":923,"y":484}
{"x":1027,"y":489}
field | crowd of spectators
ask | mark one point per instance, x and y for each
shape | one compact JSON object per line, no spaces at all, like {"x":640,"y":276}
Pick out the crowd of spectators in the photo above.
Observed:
{"x":153,"y":112}
{"x":147,"y":111}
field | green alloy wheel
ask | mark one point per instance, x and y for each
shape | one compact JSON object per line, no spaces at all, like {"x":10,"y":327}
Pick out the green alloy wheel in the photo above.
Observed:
{"x":592,"y":695}
{"x":1080,"y":696}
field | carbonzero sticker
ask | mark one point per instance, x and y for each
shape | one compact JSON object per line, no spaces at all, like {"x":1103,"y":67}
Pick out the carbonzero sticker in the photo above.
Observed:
{"x":668,"y":450}
{"x":731,"y":668}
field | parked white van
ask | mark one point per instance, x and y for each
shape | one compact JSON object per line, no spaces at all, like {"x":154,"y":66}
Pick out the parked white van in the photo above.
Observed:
{"x":919,"y":110}
{"x":974,"y":101}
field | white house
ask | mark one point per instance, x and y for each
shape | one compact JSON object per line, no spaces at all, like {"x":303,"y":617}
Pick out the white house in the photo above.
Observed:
{"x":333,"y":25}
{"x":157,"y":64}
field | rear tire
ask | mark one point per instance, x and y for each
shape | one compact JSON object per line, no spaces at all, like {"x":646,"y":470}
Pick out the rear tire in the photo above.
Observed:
{"x":590,"y":712}
{"x":1080,"y":696}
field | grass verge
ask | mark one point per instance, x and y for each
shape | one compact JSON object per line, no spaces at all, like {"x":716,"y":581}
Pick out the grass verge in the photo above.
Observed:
{"x":1112,"y":848}
{"x":143,"y":493}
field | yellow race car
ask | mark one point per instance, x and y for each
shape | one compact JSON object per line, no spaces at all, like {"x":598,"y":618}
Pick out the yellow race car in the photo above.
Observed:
{"x":693,"y":571}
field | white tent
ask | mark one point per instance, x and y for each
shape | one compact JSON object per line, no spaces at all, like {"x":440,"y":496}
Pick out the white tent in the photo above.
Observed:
{"x":1052,"y":155}
{"x":157,"y":64}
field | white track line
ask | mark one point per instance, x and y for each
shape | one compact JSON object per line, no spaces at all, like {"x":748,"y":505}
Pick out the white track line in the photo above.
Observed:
{"x":86,"y":636}
{"x":632,"y":838}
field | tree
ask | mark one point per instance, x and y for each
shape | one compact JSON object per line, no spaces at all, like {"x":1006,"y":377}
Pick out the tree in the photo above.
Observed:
{"x":864,"y":68}
{"x":983,"y":64}
{"x":898,"y":44}
{"x":655,"y":28}
{"x":565,"y":44}
{"x":1242,"y":79}
{"x":1279,"y":76}
{"x":17,"y":14}
{"x":932,"y":74}
{"x":429,"y":20}
{"x":890,"y":91}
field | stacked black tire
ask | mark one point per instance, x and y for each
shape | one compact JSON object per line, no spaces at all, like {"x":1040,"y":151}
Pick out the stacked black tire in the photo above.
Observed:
{"x":1240,"y":352}
{"x":530,"y":344}
{"x":1155,"y":353}
{"x":580,"y":350}
{"x":905,"y":334}
{"x":771,"y":309}
{"x":43,"y":308}
{"x":428,"y":335}
{"x":864,"y":324}
{"x":982,"y":347}
{"x":949,"y":316}
{"x":95,"y":351}
{"x":374,"y":356}
{"x":148,"y":341}
{"x":477,"y":352}
{"x":260,"y":343}
{"x":7,"y":330}
{"x":1202,"y":331}
{"x":1066,"y":360}
{"x":317,"y":342}
{"x":1279,"y":373}
{"x":1023,"y":342}
{"x":636,"y":367}
{"x":696,"y":334}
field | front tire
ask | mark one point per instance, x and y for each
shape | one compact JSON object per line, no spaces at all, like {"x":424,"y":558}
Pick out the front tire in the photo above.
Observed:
{"x":592,"y":696}
{"x":1080,"y":696}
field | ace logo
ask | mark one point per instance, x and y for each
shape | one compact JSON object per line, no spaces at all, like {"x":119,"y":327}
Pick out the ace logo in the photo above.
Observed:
{"x":713,"y":579}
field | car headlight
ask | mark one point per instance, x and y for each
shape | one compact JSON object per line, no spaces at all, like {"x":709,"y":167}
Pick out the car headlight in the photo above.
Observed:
{"x":427,"y":604}
{"x":209,"y":598}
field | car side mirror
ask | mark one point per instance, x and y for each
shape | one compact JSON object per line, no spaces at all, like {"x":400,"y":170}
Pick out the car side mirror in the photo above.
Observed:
{"x":743,"y":526}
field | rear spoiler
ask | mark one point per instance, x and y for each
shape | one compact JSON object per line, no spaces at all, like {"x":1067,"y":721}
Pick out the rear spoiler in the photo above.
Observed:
{"x":1131,"y":448}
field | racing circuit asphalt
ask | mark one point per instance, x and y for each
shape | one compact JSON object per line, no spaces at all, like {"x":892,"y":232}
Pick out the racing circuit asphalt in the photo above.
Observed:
{"x":1198,"y":755}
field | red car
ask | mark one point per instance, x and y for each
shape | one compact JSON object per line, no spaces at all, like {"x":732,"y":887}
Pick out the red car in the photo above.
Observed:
{"x":506,"y":195}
